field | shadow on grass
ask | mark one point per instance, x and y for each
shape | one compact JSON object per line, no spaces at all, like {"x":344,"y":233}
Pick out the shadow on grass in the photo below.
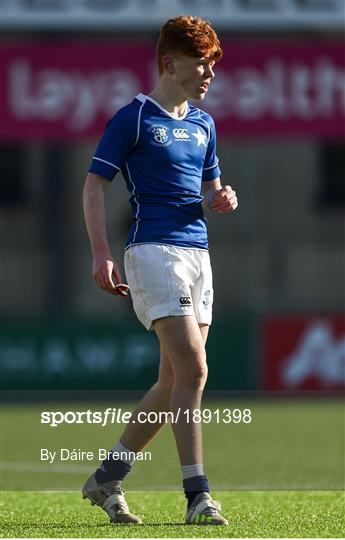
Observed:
{"x":41,"y":526}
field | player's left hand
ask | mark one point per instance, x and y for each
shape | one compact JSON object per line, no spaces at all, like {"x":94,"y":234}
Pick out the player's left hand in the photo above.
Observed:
{"x":224,"y":200}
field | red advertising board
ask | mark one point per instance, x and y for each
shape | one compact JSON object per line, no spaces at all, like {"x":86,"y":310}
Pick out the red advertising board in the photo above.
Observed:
{"x":304,"y":353}
{"x":68,"y":89}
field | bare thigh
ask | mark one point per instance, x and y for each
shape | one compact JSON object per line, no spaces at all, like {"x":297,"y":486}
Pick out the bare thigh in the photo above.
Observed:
{"x":204,"y":328}
{"x":184,"y":343}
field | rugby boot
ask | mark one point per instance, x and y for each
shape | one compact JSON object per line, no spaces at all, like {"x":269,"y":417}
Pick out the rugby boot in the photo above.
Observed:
{"x":204,"y":511}
{"x":110,"y":497}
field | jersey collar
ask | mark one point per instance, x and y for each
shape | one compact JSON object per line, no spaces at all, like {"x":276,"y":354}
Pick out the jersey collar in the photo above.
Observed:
{"x":143,"y":98}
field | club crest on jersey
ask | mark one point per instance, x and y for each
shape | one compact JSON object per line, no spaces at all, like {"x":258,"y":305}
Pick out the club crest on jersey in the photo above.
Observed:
{"x":206,"y":299}
{"x":160,"y":135}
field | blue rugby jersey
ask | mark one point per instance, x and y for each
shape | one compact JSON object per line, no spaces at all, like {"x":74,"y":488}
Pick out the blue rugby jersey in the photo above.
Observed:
{"x":163,"y":160}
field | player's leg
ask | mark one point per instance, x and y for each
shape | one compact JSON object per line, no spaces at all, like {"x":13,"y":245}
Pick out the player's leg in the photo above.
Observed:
{"x":202,"y":510}
{"x":103,"y":487}
{"x":204,"y":328}
{"x":137,"y":434}
{"x":182,"y":339}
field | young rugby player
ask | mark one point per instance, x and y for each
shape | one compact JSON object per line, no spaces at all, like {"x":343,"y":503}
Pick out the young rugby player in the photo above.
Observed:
{"x":166,"y":151}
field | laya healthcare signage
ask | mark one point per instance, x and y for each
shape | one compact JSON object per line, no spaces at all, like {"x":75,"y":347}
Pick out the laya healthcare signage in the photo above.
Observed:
{"x":68,"y":89}
{"x":304,"y":353}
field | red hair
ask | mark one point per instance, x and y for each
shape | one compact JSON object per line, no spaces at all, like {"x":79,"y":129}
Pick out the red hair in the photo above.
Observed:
{"x":191,"y":36}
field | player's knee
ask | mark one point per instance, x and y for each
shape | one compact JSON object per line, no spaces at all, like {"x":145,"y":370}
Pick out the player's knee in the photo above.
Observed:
{"x":199,"y":376}
{"x":195,"y":376}
{"x":196,"y":369}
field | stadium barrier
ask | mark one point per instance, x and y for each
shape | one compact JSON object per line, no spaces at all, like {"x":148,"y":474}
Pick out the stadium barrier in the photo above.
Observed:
{"x":83,"y":353}
{"x":282,"y":355}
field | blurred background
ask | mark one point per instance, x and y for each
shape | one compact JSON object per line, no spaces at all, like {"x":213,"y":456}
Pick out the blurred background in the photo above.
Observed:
{"x":278,"y":100}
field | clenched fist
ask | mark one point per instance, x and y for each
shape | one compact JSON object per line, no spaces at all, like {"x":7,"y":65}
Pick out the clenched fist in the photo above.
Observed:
{"x":224,"y":200}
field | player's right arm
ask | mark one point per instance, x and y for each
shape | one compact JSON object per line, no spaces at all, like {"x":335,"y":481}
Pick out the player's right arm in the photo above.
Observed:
{"x":113,"y":150}
{"x":104,"y":268}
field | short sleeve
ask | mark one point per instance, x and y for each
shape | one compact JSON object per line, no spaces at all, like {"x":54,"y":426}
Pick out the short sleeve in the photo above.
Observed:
{"x":211,"y":169}
{"x":116,"y":143}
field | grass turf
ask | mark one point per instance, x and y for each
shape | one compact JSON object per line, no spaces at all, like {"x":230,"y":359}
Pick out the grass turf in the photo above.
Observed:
{"x":290,"y":445}
{"x":251,"y":514}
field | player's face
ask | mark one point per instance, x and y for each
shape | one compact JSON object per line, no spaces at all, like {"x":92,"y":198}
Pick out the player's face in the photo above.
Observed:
{"x":193,"y":76}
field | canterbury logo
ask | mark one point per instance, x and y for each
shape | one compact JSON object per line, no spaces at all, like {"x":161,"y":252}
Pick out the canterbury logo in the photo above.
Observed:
{"x":185,"y":301}
{"x":181,"y":133}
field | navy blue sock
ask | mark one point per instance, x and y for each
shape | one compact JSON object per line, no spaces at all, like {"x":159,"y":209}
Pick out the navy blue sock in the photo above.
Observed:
{"x":195,"y":485}
{"x":112,"y":469}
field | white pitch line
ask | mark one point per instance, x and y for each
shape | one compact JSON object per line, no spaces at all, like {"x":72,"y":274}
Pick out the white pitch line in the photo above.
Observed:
{"x":45,"y":467}
{"x":79,"y":469}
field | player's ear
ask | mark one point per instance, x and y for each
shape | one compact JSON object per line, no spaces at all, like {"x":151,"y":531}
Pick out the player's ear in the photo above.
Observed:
{"x":168,"y":64}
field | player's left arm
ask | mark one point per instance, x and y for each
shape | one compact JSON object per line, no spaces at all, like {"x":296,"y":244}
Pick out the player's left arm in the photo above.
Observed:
{"x":219,"y":198}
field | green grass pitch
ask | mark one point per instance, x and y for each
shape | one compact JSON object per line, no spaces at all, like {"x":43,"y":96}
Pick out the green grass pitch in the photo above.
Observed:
{"x":282,"y":475}
{"x":251,"y":514}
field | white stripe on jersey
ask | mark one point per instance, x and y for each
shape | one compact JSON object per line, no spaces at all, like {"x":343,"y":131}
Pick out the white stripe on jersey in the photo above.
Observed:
{"x":136,"y":201}
{"x":107,"y":162}
{"x":212,"y":166}
{"x":138,"y":123}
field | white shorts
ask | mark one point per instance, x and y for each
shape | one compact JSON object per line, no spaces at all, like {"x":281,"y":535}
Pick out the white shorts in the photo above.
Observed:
{"x":168,"y":280}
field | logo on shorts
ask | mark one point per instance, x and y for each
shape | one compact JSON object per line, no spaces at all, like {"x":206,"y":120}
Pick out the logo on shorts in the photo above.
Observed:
{"x":181,"y":134}
{"x":207,"y":300}
{"x":185,"y":301}
{"x":160,"y":135}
